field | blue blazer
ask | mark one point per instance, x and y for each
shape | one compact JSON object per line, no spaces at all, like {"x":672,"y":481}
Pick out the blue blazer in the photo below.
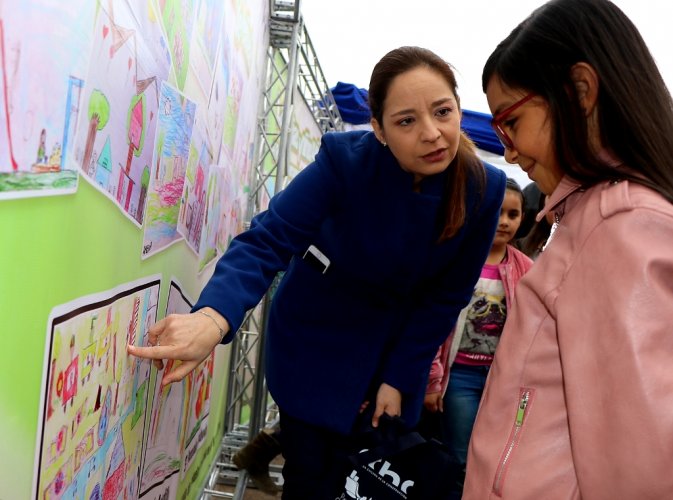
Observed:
{"x":390,"y":296}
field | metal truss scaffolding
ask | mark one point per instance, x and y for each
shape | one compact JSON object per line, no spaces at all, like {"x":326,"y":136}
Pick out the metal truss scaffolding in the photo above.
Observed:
{"x":291,"y":64}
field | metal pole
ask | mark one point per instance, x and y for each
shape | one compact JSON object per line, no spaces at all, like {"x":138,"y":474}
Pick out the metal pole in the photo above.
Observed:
{"x":281,"y":169}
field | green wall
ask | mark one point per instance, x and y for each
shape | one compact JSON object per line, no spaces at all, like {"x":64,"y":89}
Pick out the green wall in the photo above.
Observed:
{"x":56,"y":249}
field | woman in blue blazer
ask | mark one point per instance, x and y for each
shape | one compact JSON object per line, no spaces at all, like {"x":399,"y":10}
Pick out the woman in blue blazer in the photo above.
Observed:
{"x":382,"y":239}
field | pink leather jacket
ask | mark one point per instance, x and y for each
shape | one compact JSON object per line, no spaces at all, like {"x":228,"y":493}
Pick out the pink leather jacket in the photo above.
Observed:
{"x":579,"y":400}
{"x":511,"y":271}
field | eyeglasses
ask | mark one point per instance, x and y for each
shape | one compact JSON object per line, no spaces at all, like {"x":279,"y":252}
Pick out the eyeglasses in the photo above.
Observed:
{"x":497,"y":120}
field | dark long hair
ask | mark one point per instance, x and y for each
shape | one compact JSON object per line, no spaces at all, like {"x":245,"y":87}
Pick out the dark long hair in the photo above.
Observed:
{"x":531,"y":244}
{"x":466,"y":165}
{"x":635,"y":110}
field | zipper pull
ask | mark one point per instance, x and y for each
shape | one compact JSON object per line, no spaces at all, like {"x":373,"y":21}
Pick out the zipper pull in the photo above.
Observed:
{"x":554,"y":227}
{"x":523,"y":403}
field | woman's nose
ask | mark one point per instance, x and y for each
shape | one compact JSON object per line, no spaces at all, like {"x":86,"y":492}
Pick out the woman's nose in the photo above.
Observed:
{"x":430,"y":132}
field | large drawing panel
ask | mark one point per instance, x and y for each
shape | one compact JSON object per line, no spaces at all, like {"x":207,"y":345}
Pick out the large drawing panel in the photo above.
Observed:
{"x":40,"y":91}
{"x":94,"y":395}
{"x":165,"y":440}
{"x":117,"y":120}
{"x":175,"y":122}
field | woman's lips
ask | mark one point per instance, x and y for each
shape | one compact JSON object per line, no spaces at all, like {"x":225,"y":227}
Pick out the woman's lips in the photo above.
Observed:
{"x":435,"y":156}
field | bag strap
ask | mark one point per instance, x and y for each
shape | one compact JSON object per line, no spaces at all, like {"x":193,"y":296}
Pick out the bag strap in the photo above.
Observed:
{"x":400,"y":444}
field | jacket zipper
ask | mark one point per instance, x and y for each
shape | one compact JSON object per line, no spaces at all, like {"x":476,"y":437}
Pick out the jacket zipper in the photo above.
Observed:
{"x":521,"y":412}
{"x":552,"y":230}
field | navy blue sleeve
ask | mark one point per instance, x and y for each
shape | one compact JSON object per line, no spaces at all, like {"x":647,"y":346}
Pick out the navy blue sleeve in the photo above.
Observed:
{"x":435,"y":315}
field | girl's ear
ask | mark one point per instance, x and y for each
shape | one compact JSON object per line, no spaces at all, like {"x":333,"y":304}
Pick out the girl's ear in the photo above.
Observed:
{"x":586,"y":82}
{"x":378,"y":131}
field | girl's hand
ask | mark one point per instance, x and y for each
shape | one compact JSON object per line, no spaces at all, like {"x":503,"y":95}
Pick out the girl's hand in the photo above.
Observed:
{"x":433,"y":402}
{"x":388,"y":400}
{"x":188,"y":338}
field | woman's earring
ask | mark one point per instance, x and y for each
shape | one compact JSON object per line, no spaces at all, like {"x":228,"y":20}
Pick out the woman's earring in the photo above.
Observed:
{"x":384,"y":143}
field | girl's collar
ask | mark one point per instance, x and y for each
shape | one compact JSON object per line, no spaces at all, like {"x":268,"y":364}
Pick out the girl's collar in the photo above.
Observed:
{"x":565,"y":188}
{"x":568,"y":185}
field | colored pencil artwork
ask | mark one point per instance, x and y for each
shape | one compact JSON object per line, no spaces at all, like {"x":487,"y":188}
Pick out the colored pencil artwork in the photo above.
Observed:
{"x":95,"y":395}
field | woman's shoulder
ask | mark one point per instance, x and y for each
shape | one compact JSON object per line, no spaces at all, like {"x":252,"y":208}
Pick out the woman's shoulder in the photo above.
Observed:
{"x":495,"y":178}
{"x":488,"y":188}
{"x":352,"y":144}
{"x":350,"y":154}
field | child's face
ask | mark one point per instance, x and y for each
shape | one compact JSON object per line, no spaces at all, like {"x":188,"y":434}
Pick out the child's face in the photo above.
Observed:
{"x":510,"y":218}
{"x":529,"y":129}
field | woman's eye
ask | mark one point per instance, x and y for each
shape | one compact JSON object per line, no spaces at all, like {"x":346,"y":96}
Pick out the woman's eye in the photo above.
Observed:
{"x":443,"y":111}
{"x":509,"y":123}
{"x":405,"y":121}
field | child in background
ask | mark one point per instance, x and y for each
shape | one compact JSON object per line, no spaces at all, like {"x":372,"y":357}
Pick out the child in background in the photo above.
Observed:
{"x":467,"y":353}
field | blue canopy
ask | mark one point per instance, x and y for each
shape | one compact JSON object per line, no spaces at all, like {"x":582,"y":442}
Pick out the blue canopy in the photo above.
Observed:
{"x":354,"y":109}
{"x":477,"y":126}
{"x":352,"y":103}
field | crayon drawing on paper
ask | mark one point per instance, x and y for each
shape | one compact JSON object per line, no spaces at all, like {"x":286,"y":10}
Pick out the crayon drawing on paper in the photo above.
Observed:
{"x":193,"y":205}
{"x":176,"y":119}
{"x":94,"y":395}
{"x":178,"y":22}
{"x":178,"y":419}
{"x":165,"y":440}
{"x":118,"y":111}
{"x":40,"y":93}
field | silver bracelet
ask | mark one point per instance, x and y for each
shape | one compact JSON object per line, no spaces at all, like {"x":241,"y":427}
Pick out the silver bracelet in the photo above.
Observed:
{"x":222,"y":332}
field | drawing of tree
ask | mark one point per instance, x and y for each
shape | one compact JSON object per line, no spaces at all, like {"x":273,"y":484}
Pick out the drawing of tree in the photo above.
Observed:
{"x":98,"y":114}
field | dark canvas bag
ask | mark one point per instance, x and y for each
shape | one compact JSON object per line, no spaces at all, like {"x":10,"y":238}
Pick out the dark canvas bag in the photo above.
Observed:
{"x":394,"y":463}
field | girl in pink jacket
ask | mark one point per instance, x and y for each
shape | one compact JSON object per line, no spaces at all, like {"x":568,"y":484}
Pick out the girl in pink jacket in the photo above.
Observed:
{"x":468,"y":353}
{"x":579,"y":399}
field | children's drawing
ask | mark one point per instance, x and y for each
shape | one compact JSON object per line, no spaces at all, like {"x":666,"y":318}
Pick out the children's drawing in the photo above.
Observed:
{"x":219,"y":194}
{"x":165,"y":440}
{"x":304,"y":139}
{"x":198,"y":384}
{"x":245,"y":85}
{"x":38,"y":119}
{"x":117,"y":119}
{"x":149,"y":24}
{"x":177,"y":17}
{"x":193,"y":206}
{"x":178,"y":420}
{"x":241,"y":33}
{"x":94,"y":395}
{"x":208,"y":26}
{"x":205,"y":38}
{"x":217,"y":102}
{"x":175,"y":122}
{"x":231,"y":114}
